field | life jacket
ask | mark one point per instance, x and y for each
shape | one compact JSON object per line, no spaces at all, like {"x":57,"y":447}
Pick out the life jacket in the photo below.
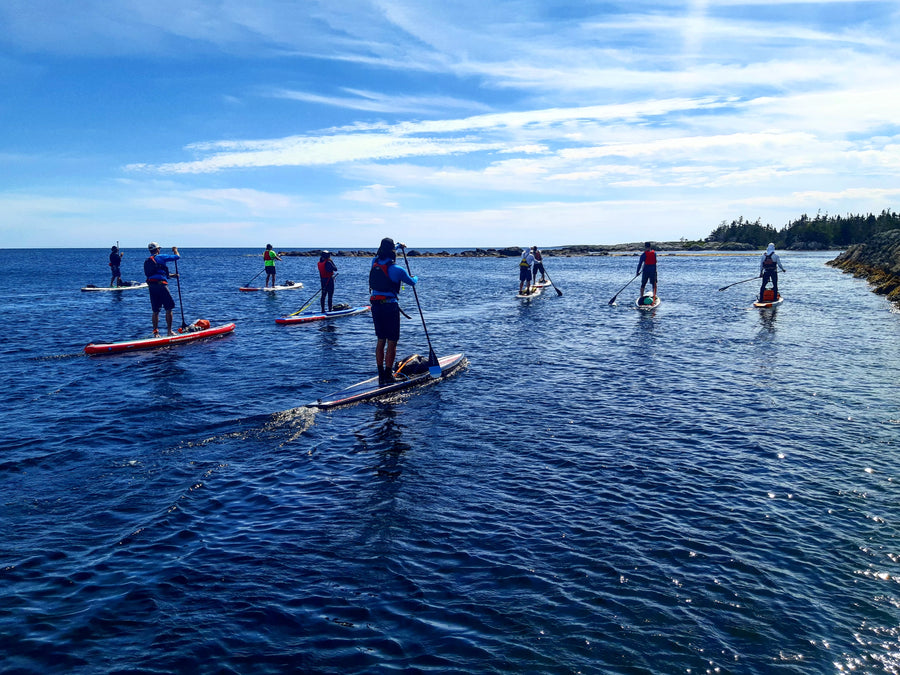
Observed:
{"x":768,"y":263}
{"x":324,"y":272}
{"x":649,"y":258}
{"x":269,"y":257}
{"x":524,"y":262}
{"x":153,"y":268}
{"x":380,"y":281}
{"x":537,"y":256}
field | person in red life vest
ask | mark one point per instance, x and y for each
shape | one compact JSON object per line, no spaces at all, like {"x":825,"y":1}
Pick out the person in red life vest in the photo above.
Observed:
{"x":385,"y":279}
{"x":648,"y":262}
{"x":158,"y":276}
{"x":538,"y":265}
{"x":327,"y":270}
{"x":269,"y":258}
{"x":768,"y":270}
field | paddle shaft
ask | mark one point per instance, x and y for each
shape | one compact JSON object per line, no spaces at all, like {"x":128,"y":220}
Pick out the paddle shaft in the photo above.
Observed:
{"x":744,"y":281}
{"x":307,"y":303}
{"x":558,"y":292}
{"x":432,"y":357}
{"x":178,"y":282}
{"x":255,"y":275}
{"x":613,"y":298}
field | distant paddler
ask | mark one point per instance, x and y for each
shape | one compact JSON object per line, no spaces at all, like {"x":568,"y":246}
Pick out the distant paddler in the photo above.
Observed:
{"x":538,"y":265}
{"x":648,"y":262}
{"x":327,"y":270}
{"x":525,"y":275}
{"x":269,"y":258}
{"x":115,"y":261}
{"x":768,"y":271}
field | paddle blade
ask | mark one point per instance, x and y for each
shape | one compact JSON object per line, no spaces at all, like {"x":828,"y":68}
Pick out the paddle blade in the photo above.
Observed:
{"x":558,"y":292}
{"x":434,"y":368}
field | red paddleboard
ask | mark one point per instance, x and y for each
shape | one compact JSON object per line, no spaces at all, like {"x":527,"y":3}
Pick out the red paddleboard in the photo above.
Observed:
{"x":97,"y":348}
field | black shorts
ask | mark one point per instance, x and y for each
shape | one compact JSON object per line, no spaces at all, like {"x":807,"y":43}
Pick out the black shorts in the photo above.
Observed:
{"x":116,"y":272}
{"x":648,"y":275}
{"x":160,"y":297}
{"x":270,"y":271}
{"x":386,"y":317}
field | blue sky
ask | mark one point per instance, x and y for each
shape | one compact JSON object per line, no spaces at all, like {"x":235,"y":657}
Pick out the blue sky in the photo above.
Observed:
{"x":456,"y":124}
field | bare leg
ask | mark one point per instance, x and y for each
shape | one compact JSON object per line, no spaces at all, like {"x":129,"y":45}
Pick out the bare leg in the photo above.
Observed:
{"x":155,"y":323}
{"x":390,"y":356}
{"x":169,"y":321}
{"x":379,"y":354}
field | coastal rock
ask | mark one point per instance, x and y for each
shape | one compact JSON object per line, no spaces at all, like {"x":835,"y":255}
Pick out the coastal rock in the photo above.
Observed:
{"x":877,"y":261}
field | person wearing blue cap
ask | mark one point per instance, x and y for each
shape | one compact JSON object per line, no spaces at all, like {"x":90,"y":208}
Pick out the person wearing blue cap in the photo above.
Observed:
{"x":385,"y":279}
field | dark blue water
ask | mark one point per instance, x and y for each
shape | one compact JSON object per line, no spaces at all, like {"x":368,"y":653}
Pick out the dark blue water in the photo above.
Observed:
{"x":703,"y":488}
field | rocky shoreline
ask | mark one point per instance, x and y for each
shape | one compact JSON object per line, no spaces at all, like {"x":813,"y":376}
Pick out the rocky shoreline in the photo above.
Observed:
{"x":632,"y":248}
{"x":877,"y":261}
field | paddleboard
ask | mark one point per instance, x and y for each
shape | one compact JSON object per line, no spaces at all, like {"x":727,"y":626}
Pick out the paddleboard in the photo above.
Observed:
{"x":306,"y":317}
{"x":535,"y":291}
{"x":134,"y":285}
{"x":97,"y":348}
{"x":271,"y":289}
{"x":369,"y":389}
{"x":653,"y":305}
{"x":543,"y":284}
{"x":768,"y":304}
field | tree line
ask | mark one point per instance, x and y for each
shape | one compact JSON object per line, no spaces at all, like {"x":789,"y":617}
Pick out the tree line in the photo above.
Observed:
{"x":823,"y":231}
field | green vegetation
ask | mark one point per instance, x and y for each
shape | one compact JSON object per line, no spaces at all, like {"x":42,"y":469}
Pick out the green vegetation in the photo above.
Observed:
{"x":821,"y":232}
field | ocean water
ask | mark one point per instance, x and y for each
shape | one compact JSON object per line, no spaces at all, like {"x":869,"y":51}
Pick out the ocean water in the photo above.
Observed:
{"x":705,"y":488}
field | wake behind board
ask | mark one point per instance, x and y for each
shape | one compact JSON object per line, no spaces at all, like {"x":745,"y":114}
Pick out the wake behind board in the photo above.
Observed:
{"x":133,"y":285}
{"x":271,"y":289}
{"x":306,"y":317}
{"x":768,"y":304}
{"x":640,"y":304}
{"x":535,"y":291}
{"x":369,"y":389}
{"x":99,"y":348}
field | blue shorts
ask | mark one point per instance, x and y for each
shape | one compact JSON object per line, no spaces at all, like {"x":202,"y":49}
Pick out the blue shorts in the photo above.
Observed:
{"x":648,"y":275}
{"x":386,"y":317}
{"x":160,"y":297}
{"x":116,"y":272}
{"x":524,"y":273}
{"x":270,"y":271}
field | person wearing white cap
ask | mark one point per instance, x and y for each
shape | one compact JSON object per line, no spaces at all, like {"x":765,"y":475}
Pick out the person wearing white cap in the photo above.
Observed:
{"x":525,"y":275}
{"x":768,"y":270}
{"x":158,"y":282}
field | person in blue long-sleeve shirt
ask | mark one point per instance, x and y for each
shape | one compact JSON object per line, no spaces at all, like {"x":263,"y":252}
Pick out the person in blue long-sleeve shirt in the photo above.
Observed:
{"x":385,"y":279}
{"x":158,"y":276}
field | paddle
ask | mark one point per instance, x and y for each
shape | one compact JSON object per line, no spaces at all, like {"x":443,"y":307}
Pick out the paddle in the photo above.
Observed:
{"x":254,"y":276}
{"x":612,"y":300}
{"x":307,"y":304}
{"x":738,"y":282}
{"x":558,"y":292}
{"x":178,"y":280}
{"x":434,"y":368}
